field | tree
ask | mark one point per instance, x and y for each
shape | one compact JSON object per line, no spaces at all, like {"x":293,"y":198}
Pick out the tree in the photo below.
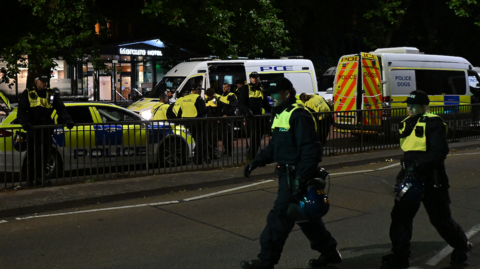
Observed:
{"x":76,"y":28}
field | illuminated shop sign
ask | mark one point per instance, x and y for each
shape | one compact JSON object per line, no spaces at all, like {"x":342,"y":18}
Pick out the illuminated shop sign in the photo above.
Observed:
{"x":125,"y":51}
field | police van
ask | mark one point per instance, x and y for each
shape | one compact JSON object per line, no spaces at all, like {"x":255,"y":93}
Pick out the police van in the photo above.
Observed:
{"x":214,"y":73}
{"x":384,"y":78}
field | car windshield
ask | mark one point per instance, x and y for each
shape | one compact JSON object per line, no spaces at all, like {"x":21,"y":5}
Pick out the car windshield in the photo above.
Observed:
{"x":167,"y":82}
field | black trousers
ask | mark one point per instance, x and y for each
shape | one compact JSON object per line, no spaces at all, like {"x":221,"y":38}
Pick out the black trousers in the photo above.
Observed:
{"x":437,"y":205}
{"x":227,"y":138}
{"x":279,"y":226}
{"x":324,"y":128}
{"x":39,"y":143}
{"x":256,"y":130}
{"x":198,"y":132}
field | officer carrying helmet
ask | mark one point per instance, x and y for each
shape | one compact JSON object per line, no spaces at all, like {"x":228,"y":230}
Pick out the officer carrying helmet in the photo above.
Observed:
{"x":422,"y":178}
{"x":295,"y":147}
{"x":35,"y":108}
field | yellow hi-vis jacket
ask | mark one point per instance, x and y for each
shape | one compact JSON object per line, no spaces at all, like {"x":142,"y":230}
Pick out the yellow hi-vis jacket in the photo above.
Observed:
{"x":282,"y":120}
{"x":318,"y":104}
{"x":160,"y":111}
{"x":36,"y":100}
{"x":176,"y":106}
{"x":188,"y":106}
{"x":417,"y":140}
{"x":213,"y":102}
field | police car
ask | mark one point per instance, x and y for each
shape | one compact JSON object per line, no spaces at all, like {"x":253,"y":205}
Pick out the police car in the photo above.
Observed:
{"x":104,"y":135}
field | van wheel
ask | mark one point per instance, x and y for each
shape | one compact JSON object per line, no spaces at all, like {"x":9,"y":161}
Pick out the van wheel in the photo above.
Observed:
{"x":172,"y":152}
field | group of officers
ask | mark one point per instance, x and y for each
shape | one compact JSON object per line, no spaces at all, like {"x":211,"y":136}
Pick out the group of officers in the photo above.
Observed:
{"x":296,"y":148}
{"x":246,"y":100}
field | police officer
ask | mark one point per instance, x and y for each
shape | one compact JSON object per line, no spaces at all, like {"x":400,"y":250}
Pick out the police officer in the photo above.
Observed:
{"x":193,"y":106}
{"x":211,"y":102}
{"x":238,"y":85}
{"x":160,"y":109}
{"x":423,"y":139}
{"x":227,"y":105}
{"x":250,"y":102}
{"x":35,"y":108}
{"x":316,"y":103}
{"x":295,"y":147}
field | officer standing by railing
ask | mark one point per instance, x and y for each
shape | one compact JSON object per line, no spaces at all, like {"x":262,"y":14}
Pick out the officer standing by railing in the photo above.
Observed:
{"x":160,"y":109}
{"x":35,"y":108}
{"x":193,"y":106}
{"x":250,"y":102}
{"x":423,"y":178}
{"x":227,"y":104}
{"x":295,"y":147}
{"x":316,"y":103}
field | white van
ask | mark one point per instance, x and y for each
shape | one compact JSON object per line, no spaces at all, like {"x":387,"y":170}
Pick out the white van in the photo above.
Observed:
{"x":384,"y":78}
{"x":214,"y":73}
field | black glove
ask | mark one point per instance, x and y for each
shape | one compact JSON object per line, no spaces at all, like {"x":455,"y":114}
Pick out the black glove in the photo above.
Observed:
{"x":70,"y":124}
{"x":249,"y":167}
{"x":248,"y":113}
{"x":27,"y":126}
{"x":299,"y":187}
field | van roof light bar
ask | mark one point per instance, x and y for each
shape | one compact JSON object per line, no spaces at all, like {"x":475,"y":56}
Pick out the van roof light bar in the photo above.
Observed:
{"x":291,"y":57}
{"x":203,"y":58}
{"x":405,"y":50}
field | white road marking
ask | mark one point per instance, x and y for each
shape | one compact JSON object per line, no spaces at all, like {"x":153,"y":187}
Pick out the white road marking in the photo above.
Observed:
{"x":353,"y":172}
{"x":224,"y":191}
{"x":388,"y":166}
{"x":469,"y":153}
{"x":448,"y":249}
{"x":97,"y":210}
{"x":3,"y":221}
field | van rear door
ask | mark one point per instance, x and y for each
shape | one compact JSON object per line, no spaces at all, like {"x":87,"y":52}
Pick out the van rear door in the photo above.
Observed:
{"x":371,"y":89}
{"x":345,"y":89}
{"x":350,"y":93}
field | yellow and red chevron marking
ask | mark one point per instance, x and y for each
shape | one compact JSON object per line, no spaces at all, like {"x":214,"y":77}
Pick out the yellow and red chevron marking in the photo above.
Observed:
{"x":346,"y":84}
{"x":372,"y":98}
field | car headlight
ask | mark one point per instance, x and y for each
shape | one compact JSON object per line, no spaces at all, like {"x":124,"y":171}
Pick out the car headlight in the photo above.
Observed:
{"x":147,"y":115}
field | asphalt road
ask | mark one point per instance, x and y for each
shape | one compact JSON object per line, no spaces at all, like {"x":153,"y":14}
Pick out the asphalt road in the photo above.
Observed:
{"x":219,"y":230}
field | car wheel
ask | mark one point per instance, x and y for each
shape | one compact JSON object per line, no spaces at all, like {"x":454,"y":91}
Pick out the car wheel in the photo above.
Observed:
{"x":172,"y":152}
{"x":53,"y":165}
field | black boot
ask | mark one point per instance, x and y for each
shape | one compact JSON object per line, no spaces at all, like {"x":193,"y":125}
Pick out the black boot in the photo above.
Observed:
{"x":393,"y":261}
{"x":331,"y":257}
{"x":256,"y":264}
{"x":461,"y":256}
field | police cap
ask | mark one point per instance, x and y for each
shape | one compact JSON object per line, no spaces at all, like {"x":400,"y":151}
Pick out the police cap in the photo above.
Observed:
{"x":417,"y":98}
{"x":42,"y":77}
{"x":279,"y":84}
{"x":254,"y":74}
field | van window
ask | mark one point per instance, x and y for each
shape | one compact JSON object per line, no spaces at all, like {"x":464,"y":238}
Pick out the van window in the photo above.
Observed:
{"x":193,"y":83}
{"x":302,"y":82}
{"x":441,"y":82}
{"x":166,"y":82}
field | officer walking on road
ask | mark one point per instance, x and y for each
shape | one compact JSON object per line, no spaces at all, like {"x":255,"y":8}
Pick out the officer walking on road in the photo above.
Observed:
{"x":35,"y":108}
{"x":250,"y":102}
{"x":423,"y":178}
{"x":295,"y":147}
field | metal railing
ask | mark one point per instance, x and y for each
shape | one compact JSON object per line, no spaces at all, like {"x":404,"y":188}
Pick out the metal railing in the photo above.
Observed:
{"x":89,"y":152}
